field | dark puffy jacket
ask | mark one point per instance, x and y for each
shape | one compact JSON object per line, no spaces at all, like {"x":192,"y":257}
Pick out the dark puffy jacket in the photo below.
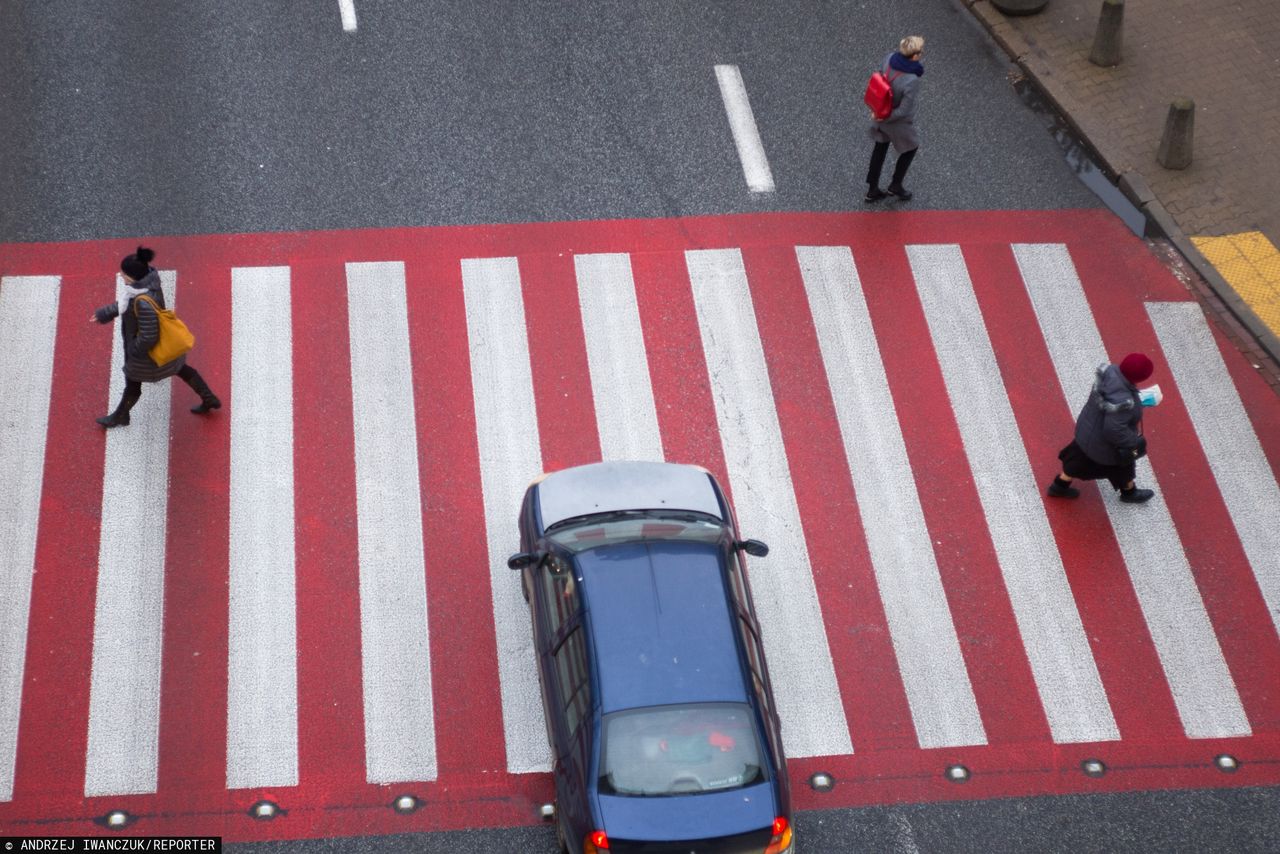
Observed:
{"x":1109,"y":429}
{"x":140,"y":329}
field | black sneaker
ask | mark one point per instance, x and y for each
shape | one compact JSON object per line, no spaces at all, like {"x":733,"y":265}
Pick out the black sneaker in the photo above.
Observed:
{"x":901,"y":192}
{"x":1136,"y":496}
{"x":1058,"y":489}
{"x":113,"y":420}
{"x":875,"y":194}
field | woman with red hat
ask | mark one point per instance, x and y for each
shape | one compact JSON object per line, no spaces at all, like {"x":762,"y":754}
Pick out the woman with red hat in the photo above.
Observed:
{"x":1108,"y":440}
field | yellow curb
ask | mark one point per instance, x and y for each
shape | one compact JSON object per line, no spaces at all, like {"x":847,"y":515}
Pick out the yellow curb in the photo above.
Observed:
{"x":1251,"y":265}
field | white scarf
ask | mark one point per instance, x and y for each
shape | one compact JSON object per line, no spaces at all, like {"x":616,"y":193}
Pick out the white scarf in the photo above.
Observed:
{"x":127,"y":293}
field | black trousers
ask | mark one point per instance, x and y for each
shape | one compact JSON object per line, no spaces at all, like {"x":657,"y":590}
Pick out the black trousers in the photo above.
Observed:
{"x":900,"y":168}
{"x":133,"y":389}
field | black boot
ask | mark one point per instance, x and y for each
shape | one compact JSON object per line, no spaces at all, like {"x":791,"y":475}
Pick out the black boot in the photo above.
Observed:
{"x":115,"y":419}
{"x":1062,"y":489}
{"x":207,"y":401}
{"x":1136,"y":496}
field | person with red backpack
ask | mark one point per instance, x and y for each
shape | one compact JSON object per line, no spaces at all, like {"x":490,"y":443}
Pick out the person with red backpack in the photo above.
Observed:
{"x":899,"y":77}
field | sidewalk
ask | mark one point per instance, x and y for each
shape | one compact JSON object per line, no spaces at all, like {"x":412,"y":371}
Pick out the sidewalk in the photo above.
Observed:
{"x":1223,"y":212}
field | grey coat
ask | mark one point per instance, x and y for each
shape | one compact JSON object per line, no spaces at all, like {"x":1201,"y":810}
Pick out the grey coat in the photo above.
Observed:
{"x":1109,"y":428}
{"x":899,"y":128}
{"x":140,"y":329}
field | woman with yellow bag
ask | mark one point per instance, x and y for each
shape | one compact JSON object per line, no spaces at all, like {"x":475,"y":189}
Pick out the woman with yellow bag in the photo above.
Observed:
{"x":155,"y":341}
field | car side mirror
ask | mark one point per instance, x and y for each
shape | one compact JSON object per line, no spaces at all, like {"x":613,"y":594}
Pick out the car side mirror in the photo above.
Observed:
{"x":755,"y":548}
{"x":521,"y":560}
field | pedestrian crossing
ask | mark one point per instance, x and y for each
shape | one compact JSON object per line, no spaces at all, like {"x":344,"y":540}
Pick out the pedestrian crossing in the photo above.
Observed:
{"x":307,"y":590}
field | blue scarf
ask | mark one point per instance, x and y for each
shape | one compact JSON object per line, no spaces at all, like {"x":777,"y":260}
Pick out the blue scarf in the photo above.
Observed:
{"x":898,"y":62}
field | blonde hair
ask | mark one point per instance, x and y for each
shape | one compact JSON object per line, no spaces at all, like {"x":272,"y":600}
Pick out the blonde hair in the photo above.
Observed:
{"x":911,"y":45}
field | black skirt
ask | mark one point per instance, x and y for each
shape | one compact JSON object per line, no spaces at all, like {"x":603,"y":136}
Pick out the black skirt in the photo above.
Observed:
{"x":1077,"y":464}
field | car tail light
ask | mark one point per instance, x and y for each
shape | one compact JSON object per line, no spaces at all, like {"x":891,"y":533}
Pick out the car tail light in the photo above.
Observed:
{"x":596,"y":843}
{"x":781,"y":841}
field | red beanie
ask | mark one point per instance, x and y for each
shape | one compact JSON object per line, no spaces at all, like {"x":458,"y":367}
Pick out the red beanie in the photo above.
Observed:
{"x":1136,"y":367}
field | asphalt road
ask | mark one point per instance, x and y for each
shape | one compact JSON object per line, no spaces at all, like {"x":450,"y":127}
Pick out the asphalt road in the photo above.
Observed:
{"x":134,"y":119}
{"x":163,"y":119}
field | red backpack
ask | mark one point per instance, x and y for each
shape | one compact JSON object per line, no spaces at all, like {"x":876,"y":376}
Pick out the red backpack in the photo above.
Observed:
{"x":879,"y":94}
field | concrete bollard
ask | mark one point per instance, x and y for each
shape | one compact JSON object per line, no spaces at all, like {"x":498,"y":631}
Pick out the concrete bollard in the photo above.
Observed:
{"x":1179,"y":127}
{"x":1110,"y":35}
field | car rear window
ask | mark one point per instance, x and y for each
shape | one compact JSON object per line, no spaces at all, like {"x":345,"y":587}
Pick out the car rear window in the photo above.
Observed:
{"x":680,"y":750}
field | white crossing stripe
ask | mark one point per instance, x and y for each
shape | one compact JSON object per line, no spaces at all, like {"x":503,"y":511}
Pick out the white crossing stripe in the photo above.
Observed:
{"x":742,"y":123}
{"x":943,"y":706}
{"x":1075,"y":702}
{"x":399,"y":722}
{"x":1245,"y":478}
{"x":795,"y":638}
{"x":28,"y":327}
{"x":625,"y":413}
{"x":347,"y":9}
{"x":262,"y":676}
{"x":1198,"y":677}
{"x":128,"y":623}
{"x":510,"y":457}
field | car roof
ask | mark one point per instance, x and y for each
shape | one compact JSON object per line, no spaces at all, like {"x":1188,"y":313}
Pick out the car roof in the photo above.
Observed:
{"x":663,"y":630}
{"x":625,"y":485}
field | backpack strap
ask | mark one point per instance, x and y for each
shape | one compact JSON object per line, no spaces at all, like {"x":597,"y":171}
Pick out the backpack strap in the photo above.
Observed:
{"x":154,"y":307}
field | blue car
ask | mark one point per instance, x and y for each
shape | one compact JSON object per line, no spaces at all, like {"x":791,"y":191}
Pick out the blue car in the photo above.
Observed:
{"x":659,"y":712}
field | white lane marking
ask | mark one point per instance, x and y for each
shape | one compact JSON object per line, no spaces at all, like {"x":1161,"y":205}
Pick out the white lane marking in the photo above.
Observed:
{"x":1071,"y":691}
{"x":348,"y":10}
{"x":122,"y":756}
{"x":510,"y":457}
{"x":942,"y":703}
{"x":742,"y":123}
{"x":1239,"y":464}
{"x":399,"y":722}
{"x":1202,"y":687}
{"x":262,"y":675}
{"x":625,"y":413}
{"x":795,"y":637}
{"x":28,"y":327}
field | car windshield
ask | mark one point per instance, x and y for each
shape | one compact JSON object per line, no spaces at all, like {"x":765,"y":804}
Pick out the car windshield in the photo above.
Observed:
{"x":680,"y":750}
{"x":624,"y":526}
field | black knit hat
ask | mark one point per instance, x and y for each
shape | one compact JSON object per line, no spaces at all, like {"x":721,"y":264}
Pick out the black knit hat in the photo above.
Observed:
{"x":138,"y":264}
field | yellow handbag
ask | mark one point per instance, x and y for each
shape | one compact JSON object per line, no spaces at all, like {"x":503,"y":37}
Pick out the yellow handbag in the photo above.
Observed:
{"x":175,"y":338}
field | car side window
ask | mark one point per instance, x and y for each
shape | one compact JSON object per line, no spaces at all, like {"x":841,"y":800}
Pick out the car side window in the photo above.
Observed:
{"x":559,"y":593}
{"x":571,"y":679}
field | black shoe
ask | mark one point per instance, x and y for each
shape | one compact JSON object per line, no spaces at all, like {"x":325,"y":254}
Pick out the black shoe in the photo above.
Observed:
{"x":1058,"y":489}
{"x":1136,"y":496}
{"x":875,"y":194}
{"x":114,"y":420}
{"x":900,"y":191}
{"x":206,"y":404}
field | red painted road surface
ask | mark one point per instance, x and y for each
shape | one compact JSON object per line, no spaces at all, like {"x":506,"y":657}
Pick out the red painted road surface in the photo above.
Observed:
{"x":473,"y":787}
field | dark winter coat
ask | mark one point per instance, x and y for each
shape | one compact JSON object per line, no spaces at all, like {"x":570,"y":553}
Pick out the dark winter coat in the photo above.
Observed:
{"x":140,"y":329}
{"x":1109,"y":429}
{"x":899,"y":128}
